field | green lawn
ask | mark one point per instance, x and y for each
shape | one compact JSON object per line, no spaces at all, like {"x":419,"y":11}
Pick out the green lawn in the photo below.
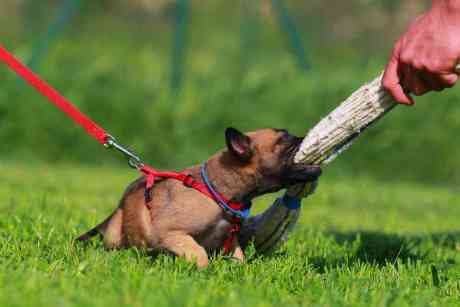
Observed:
{"x":361,"y":242}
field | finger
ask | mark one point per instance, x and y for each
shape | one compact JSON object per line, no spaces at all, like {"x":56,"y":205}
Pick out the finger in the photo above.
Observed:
{"x":391,"y":81}
{"x":448,"y":80}
{"x":412,"y":81}
{"x":433,"y":81}
{"x":418,"y":86}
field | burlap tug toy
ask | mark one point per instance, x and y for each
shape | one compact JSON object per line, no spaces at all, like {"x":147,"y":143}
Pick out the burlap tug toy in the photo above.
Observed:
{"x":336,"y":132}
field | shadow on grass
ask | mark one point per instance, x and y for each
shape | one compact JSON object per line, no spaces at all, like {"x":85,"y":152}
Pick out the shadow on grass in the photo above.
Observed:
{"x":375,"y":248}
{"x":381,"y":248}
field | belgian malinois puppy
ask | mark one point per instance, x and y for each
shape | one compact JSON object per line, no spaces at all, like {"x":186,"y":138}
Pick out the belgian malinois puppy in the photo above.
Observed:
{"x":187,"y":223}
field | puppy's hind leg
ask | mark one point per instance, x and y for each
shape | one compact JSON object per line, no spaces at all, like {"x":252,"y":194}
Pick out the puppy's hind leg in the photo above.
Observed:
{"x":110,"y":229}
{"x":185,"y":246}
{"x":113,"y":232}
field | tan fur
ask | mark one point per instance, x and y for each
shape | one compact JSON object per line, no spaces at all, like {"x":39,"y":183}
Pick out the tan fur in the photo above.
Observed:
{"x":113,"y":230}
{"x":183,"y":221}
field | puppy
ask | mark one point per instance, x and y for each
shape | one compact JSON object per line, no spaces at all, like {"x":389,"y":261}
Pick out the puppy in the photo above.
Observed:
{"x":181,"y":220}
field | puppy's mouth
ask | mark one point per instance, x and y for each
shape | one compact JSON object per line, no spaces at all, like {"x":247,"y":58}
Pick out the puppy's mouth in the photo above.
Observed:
{"x":293,"y":173}
{"x":299,"y":172}
{"x":292,"y":149}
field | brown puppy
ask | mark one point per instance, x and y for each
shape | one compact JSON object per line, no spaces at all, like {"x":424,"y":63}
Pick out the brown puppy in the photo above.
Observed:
{"x":186,"y":222}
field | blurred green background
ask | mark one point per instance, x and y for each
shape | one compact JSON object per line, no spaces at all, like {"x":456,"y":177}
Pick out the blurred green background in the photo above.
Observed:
{"x":236,"y":66}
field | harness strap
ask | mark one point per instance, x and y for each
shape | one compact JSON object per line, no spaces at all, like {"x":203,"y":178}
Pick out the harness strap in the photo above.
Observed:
{"x":233,"y":233}
{"x":234,"y":209}
{"x":237,"y":210}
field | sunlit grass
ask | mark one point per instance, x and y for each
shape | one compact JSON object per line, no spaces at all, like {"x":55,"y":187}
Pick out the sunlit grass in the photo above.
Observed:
{"x":360,"y":242}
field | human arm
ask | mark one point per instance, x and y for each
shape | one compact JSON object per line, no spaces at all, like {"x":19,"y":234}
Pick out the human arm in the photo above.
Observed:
{"x":425,"y":56}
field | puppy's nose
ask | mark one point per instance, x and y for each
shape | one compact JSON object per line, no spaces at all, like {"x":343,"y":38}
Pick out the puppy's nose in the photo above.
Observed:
{"x":297,"y":140}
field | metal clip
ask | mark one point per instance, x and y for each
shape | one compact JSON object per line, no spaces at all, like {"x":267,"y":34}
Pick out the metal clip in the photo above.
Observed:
{"x":134,"y":160}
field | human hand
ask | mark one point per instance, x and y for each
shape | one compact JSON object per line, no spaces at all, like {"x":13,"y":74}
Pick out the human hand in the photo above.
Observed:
{"x":424,"y":58}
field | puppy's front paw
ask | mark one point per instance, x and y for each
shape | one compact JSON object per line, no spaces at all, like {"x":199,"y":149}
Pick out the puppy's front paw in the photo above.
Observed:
{"x":238,"y":254}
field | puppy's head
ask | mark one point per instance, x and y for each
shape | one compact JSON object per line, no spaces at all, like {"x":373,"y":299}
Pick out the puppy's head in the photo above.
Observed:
{"x":267,"y":155}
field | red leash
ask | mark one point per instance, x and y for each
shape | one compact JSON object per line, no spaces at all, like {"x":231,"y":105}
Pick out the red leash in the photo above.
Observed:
{"x":108,"y":141}
{"x":53,"y":96}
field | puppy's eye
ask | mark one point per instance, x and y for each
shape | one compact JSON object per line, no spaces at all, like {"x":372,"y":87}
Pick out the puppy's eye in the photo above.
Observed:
{"x":284,"y":138}
{"x":284,"y":131}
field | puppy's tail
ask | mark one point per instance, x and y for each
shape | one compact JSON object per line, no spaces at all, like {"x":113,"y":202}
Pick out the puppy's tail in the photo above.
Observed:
{"x":99,"y":229}
{"x":88,"y":235}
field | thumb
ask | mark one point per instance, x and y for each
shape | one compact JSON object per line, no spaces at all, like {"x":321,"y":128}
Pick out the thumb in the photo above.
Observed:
{"x":391,"y":79}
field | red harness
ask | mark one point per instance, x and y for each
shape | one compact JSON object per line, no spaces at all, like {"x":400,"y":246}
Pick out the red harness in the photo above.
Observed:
{"x":152,"y":174}
{"x":107,"y":140}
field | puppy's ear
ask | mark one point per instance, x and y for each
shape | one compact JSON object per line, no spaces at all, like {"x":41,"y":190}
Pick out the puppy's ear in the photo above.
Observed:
{"x":238,"y":144}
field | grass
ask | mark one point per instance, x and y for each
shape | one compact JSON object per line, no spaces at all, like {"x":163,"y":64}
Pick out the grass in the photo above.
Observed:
{"x":360,"y":242}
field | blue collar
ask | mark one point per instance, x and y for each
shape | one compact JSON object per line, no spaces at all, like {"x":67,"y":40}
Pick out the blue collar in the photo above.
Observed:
{"x":243,"y":214}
